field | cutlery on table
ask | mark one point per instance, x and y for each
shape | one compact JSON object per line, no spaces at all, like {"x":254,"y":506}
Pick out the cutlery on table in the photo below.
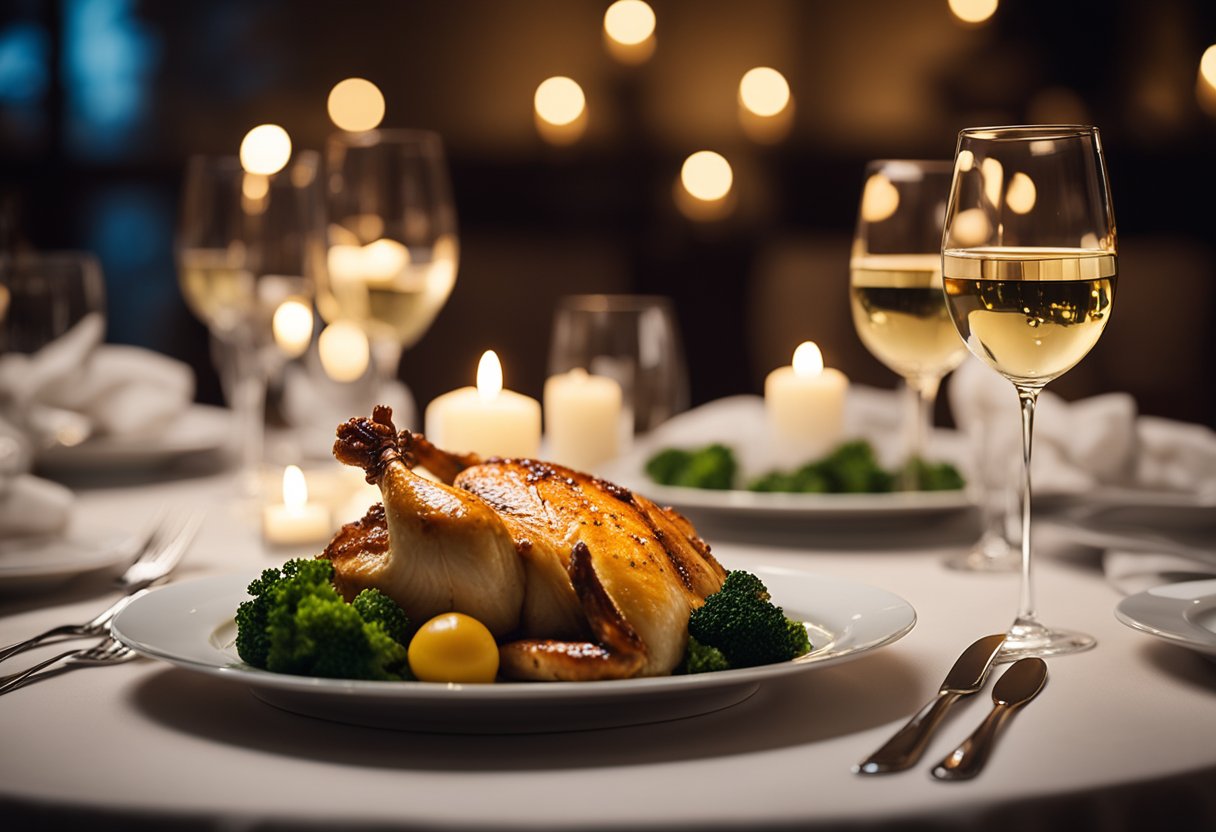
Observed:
{"x":159,"y":555}
{"x":107,"y":651}
{"x":965,"y":678}
{"x":1017,"y":686}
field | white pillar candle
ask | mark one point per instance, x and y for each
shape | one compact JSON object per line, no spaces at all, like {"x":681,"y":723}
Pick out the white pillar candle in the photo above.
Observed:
{"x":805,"y":402}
{"x":486,"y":419}
{"x":582,"y":418}
{"x":295,"y":521}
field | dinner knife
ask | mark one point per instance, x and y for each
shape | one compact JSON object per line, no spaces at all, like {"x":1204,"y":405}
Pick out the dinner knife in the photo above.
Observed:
{"x":966,"y":677}
{"x":1017,"y":686}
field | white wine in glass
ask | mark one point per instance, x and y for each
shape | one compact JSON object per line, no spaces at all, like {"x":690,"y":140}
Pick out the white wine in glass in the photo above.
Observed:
{"x":393,"y":245}
{"x":895,"y":285}
{"x":1030,"y":265}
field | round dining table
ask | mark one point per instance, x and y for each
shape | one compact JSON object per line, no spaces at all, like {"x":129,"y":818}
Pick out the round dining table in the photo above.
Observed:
{"x":1122,"y":737}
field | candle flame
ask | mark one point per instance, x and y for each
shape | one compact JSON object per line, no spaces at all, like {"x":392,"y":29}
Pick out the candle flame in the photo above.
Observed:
{"x":295,"y":489}
{"x":808,"y":360}
{"x":489,"y":376}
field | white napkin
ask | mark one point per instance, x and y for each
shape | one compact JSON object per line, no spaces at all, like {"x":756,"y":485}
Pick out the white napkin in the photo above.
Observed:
{"x":119,"y":390}
{"x":31,"y":506}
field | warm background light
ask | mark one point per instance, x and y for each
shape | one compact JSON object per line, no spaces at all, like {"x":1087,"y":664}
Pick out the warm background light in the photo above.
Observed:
{"x":764,"y":91}
{"x":1207,"y":65}
{"x":344,"y":351}
{"x":559,"y":100}
{"x":265,"y":149}
{"x":879,"y":198}
{"x":706,"y":175}
{"x":629,"y":22}
{"x":1021,"y":194}
{"x":973,"y":11}
{"x":292,"y":326}
{"x":355,"y":105}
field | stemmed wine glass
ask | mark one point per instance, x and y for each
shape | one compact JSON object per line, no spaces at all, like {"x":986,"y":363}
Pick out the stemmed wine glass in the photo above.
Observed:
{"x":1029,"y":260}
{"x":249,"y":243}
{"x":393,"y":247}
{"x":895,"y":283}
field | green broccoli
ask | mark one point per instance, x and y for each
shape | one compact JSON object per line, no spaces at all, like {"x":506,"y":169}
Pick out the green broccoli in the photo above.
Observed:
{"x":701,"y":658}
{"x":934,"y":476}
{"x":853,"y":469}
{"x":712,"y":466}
{"x":298,"y":623}
{"x":743,"y":623}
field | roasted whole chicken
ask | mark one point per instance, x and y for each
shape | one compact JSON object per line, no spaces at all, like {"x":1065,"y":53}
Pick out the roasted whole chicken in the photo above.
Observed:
{"x":577,"y":578}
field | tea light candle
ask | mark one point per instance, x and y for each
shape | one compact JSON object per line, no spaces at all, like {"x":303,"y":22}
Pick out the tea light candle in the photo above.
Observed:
{"x":582,"y":418}
{"x":295,"y":521}
{"x":805,"y":402}
{"x":486,"y":419}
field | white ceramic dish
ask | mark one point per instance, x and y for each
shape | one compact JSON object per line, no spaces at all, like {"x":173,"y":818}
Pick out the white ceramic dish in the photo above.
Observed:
{"x":1183,"y":614}
{"x":36,"y":563}
{"x":191,"y":625}
{"x":760,"y":505}
{"x":200,"y":429}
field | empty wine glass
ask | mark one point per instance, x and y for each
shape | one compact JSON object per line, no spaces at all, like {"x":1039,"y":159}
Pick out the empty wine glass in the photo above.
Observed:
{"x":1029,"y":260}
{"x":393,"y":246}
{"x":248,"y":244}
{"x":895,"y":283}
{"x":633,"y":339}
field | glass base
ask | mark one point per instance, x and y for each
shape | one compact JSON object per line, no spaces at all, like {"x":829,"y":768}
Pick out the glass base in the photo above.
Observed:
{"x":992,"y":553}
{"x":1030,"y":638}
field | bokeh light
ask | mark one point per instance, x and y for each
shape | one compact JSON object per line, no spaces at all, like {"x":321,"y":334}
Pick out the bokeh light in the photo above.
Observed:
{"x":344,"y":352}
{"x":559,"y":100}
{"x":973,"y":11}
{"x":629,"y":22}
{"x":265,"y":149}
{"x":707,"y":175}
{"x":355,"y":105}
{"x":1207,"y":66}
{"x":1021,"y":194}
{"x":292,"y":326}
{"x":764,"y":91}
{"x":879,"y":198}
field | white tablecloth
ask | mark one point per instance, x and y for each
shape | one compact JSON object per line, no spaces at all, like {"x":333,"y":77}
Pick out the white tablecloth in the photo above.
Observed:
{"x":1123,"y":736}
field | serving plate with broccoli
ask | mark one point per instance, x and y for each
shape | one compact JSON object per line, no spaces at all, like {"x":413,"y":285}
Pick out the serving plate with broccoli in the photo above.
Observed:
{"x":192,"y":625}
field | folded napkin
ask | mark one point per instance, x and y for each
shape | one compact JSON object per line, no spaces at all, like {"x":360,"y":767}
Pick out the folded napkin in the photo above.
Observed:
{"x":32,"y":506}
{"x":111,"y":390}
{"x":1099,"y":441}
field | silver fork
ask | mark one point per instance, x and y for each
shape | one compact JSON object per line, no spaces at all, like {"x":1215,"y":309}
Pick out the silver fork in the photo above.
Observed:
{"x":160,"y":554}
{"x":108,"y":651}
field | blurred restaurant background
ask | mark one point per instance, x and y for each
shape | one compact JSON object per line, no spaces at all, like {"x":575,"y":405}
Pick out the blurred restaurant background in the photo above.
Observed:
{"x":102,"y":101}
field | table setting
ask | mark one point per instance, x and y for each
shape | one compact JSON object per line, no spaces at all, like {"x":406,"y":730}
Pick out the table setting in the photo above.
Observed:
{"x":331,"y":603}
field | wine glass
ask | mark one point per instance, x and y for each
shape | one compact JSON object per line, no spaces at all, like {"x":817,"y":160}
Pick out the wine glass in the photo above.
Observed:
{"x":1029,"y":260}
{"x":895,"y":283}
{"x":633,"y":339}
{"x":393,"y":246}
{"x":249,"y":243}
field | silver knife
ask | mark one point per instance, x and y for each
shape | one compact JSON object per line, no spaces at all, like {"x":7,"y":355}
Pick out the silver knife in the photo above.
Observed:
{"x":966,"y":677}
{"x":1017,"y":686}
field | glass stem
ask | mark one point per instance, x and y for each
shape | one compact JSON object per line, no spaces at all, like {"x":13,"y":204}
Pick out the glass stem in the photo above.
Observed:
{"x":249,"y":406}
{"x":1028,"y":397}
{"x":921,"y":398}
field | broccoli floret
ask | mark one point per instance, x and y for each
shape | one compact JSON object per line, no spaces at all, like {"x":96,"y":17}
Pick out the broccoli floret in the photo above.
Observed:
{"x":934,"y":476}
{"x":374,"y":606}
{"x":298,"y":623}
{"x":853,"y":469}
{"x":701,"y":658}
{"x":745,"y":625}
{"x":712,"y":466}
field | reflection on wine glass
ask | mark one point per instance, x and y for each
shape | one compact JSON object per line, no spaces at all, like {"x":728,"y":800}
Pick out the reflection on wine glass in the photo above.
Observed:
{"x":895,"y":283}
{"x":393,"y":246}
{"x":249,"y":245}
{"x":633,"y":339}
{"x":1029,"y":259}
{"x":50,"y":301}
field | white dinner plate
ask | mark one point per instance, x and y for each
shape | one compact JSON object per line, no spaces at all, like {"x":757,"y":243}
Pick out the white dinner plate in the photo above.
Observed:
{"x":765,"y":504}
{"x":191,"y":625}
{"x":199,"y":429}
{"x":33,"y":563}
{"x":1183,"y":614}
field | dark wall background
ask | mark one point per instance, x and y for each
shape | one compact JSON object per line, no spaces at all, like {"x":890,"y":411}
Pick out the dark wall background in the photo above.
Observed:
{"x":102,"y":100}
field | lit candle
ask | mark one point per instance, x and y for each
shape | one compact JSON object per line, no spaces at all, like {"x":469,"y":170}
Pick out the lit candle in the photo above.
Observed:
{"x":486,"y":419}
{"x":582,"y":418}
{"x":295,"y":521}
{"x":805,"y":402}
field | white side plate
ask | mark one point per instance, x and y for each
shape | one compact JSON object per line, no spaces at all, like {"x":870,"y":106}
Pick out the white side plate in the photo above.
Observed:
{"x":1183,"y":614}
